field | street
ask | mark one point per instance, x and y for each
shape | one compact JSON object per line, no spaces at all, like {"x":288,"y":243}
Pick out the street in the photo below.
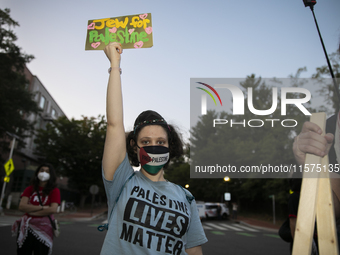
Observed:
{"x":225,"y":237}
{"x":76,"y":237}
{"x":228,"y":238}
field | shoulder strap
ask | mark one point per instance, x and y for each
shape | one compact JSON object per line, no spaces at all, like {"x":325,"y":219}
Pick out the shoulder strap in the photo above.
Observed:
{"x":52,"y":223}
{"x":39,"y":197}
{"x":106,"y":226}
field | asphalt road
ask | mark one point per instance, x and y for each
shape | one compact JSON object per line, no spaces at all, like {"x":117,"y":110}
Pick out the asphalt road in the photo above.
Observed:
{"x":82,"y":237}
{"x":228,"y":238}
{"x":77,"y":237}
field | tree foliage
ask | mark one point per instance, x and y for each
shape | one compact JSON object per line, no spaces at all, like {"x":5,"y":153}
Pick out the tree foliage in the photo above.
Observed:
{"x":75,"y":148}
{"x":203,"y":189}
{"x":16,"y":101}
{"x":327,"y":89}
{"x":326,"y":86}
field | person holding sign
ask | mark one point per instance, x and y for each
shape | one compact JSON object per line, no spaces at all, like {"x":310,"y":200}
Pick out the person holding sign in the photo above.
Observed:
{"x":39,"y":201}
{"x":147,"y":214}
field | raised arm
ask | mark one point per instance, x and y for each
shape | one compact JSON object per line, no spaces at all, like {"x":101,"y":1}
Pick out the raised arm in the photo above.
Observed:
{"x":114,"y":148}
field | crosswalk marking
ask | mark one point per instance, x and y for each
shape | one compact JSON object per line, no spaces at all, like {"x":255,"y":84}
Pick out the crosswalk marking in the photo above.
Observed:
{"x":216,"y":226}
{"x":247,"y":228}
{"x":221,"y":226}
{"x":227,"y":227}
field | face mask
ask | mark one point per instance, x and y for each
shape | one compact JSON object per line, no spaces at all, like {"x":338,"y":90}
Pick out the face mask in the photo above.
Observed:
{"x":43,"y":176}
{"x":153,"y":158}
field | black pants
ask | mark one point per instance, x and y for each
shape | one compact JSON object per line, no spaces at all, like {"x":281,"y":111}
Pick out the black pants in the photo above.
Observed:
{"x":32,"y":244}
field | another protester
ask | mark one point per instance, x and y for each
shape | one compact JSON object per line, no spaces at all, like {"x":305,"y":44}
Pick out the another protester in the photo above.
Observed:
{"x":34,"y":230}
{"x":235,"y":206}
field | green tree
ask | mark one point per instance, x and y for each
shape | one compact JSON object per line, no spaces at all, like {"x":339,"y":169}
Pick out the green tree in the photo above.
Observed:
{"x":75,"y":148}
{"x":327,"y":89}
{"x":326,"y":86}
{"x":16,"y":101}
{"x":202,"y":189}
{"x":179,"y":169}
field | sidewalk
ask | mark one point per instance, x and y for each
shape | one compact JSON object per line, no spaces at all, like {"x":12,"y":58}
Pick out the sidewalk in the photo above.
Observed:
{"x":83,"y":214}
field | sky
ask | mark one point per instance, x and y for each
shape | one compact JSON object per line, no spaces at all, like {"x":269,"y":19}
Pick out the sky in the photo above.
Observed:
{"x":192,"y":39}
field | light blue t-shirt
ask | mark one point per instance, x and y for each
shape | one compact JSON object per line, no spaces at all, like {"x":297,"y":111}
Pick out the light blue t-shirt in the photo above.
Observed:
{"x":149,"y":217}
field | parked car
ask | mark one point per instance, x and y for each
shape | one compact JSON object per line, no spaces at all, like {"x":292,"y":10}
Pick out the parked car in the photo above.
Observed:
{"x":201,"y":209}
{"x":211,"y":210}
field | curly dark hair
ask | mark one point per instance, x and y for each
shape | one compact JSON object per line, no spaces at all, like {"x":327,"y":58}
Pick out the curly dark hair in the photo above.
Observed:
{"x":174,"y":140}
{"x":51,"y":183}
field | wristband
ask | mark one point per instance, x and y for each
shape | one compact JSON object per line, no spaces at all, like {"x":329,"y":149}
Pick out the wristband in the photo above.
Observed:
{"x":117,"y":68}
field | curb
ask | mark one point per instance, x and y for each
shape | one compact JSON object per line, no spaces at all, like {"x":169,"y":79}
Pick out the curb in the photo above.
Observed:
{"x":96,"y":216}
{"x":91,"y":218}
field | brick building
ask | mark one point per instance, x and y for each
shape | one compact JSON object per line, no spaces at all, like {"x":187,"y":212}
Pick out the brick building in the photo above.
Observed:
{"x":25,"y":161}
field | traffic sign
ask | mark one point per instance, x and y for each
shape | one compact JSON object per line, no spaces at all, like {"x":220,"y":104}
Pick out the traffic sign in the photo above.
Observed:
{"x":227,"y":196}
{"x":6,"y":179}
{"x":9,"y":167}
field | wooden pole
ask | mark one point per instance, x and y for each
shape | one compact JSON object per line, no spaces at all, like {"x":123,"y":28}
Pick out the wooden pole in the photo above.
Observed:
{"x":327,"y":236}
{"x":316,"y":199}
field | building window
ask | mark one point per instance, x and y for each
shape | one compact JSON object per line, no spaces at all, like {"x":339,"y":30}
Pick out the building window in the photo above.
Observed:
{"x":27,"y":182}
{"x":34,"y":145}
{"x":38,"y":122}
{"x":17,"y":183}
{"x":42,"y":102}
{"x":53,"y":113}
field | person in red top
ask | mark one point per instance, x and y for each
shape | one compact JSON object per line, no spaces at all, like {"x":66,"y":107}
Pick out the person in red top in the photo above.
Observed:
{"x":34,"y":230}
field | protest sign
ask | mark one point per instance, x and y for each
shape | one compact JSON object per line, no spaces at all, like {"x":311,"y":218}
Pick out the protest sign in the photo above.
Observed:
{"x":133,"y":31}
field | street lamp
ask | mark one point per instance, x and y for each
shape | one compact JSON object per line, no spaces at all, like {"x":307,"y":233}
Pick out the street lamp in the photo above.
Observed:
{"x":186,"y":186}
{"x":226,"y":196}
{"x":226,"y":178}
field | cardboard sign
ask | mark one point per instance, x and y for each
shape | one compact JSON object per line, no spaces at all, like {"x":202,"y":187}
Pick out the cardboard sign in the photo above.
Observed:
{"x":134,"y":31}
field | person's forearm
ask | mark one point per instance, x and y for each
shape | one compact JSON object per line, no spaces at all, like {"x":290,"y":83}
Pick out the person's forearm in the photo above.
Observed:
{"x":292,"y":224}
{"x":27,"y":208}
{"x":115,"y":147}
{"x":46,"y":210}
{"x":194,"y":251}
{"x":114,"y":104}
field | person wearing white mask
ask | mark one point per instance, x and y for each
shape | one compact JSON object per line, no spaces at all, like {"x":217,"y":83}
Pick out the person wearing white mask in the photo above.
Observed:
{"x":39,"y":201}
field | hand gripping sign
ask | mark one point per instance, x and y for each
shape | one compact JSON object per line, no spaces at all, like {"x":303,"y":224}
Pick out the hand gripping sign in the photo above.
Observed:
{"x":133,"y":31}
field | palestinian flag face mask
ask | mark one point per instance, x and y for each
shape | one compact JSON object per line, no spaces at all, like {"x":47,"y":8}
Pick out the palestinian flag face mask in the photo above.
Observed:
{"x":153,"y":158}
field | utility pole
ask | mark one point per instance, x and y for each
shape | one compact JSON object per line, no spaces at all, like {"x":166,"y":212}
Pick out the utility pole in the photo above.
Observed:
{"x":4,"y":185}
{"x":273,"y":199}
